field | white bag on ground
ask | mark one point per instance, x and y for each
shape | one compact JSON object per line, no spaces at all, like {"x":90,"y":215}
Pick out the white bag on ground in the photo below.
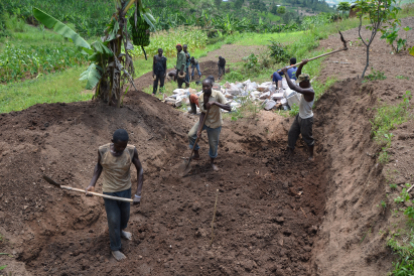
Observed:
{"x":264,"y":95}
{"x":270,"y":105}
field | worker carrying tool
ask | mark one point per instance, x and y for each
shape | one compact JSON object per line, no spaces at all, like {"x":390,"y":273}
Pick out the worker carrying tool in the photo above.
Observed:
{"x":114,"y":163}
{"x":304,"y":120}
{"x":210,"y":100}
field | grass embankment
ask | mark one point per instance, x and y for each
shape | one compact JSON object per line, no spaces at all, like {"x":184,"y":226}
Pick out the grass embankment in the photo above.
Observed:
{"x":400,"y":235}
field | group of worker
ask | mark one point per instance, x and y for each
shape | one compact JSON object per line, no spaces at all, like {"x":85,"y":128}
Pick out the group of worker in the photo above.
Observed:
{"x":182,"y":69}
{"x":115,"y":159}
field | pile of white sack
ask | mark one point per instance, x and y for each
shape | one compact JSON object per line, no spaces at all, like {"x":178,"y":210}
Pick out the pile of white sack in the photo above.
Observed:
{"x":237,"y":93}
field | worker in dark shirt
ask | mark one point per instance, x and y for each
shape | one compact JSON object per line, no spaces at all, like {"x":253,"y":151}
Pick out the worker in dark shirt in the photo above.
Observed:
{"x":221,"y":67}
{"x":159,"y":71}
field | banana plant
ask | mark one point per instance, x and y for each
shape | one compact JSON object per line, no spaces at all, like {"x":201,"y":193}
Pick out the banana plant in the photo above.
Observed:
{"x":111,"y":64}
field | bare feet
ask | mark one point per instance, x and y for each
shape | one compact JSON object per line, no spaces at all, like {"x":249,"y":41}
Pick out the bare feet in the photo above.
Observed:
{"x":126,"y":235}
{"x":215,"y":168}
{"x":118,"y":255}
{"x":311,"y":158}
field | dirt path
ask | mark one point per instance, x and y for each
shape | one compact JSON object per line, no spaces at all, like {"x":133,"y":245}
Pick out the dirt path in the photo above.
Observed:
{"x":275,"y":216}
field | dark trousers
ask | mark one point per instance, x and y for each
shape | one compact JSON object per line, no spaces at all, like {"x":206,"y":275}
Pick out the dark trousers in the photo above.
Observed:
{"x":180,"y":82}
{"x":221,"y":71}
{"x":301,"y":126}
{"x":118,"y":217}
{"x":187,"y":76}
{"x":160,"y":78}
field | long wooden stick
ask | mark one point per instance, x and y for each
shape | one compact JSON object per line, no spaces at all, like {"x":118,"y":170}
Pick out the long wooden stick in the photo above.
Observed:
{"x":323,"y":55}
{"x":214,"y":218}
{"x":198,"y":138}
{"x":97,"y":194}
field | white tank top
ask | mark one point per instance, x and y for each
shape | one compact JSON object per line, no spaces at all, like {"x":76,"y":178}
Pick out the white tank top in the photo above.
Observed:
{"x":305,"y":108}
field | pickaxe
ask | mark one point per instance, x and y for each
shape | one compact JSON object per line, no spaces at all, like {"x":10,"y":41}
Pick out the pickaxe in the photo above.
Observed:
{"x":327,"y":54}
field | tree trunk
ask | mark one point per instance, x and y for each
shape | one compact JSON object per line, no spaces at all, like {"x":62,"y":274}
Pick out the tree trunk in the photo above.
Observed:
{"x":366,"y":66}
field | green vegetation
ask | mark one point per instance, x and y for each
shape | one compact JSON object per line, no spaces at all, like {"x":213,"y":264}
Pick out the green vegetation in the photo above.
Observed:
{"x":400,"y":77}
{"x":375,"y":75}
{"x":27,"y":60}
{"x":402,"y":243}
{"x":378,"y":12}
{"x":385,"y":120}
{"x":59,"y":87}
{"x":3,"y":267}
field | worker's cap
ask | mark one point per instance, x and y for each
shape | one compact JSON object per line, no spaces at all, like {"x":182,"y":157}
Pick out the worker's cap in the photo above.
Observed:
{"x":178,"y":45}
{"x":303,"y":77}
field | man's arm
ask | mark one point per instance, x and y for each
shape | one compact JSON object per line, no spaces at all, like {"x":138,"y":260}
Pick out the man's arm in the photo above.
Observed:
{"x":96,"y":174}
{"x":140,"y":177}
{"x":297,"y":88}
{"x":200,"y":124}
{"x":221,"y":103}
{"x":165,"y":66}
{"x":299,"y":71}
{"x":153,"y":65}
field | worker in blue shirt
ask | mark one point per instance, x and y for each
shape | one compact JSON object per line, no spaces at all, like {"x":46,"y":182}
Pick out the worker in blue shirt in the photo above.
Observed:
{"x":277,"y":76}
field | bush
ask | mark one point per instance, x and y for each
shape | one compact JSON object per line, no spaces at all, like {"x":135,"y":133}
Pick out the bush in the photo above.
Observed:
{"x":13,"y":23}
{"x":278,"y":52}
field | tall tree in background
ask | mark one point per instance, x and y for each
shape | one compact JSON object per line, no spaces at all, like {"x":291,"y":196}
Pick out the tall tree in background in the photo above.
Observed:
{"x":111,"y":64}
{"x":238,"y":4}
{"x":377,"y":12}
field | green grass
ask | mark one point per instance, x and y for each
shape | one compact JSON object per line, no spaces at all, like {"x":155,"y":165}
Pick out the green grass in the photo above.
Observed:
{"x":58,"y":87}
{"x":387,"y":118}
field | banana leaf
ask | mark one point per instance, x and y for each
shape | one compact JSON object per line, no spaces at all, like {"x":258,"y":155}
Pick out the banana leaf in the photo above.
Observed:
{"x":92,"y":75}
{"x":101,"y":48}
{"x":59,"y":27}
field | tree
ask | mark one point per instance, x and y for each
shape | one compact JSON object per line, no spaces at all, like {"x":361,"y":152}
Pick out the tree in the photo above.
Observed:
{"x":343,"y":6}
{"x":238,"y":4}
{"x":281,"y":10}
{"x":111,"y":64}
{"x":377,"y":12}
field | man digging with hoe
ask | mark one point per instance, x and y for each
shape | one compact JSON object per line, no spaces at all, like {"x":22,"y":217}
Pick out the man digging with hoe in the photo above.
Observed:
{"x":304,"y":120}
{"x":211,"y":101}
{"x":114,"y":163}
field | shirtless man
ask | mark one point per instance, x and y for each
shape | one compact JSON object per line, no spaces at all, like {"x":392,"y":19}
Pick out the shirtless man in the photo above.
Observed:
{"x":209,"y":100}
{"x":304,"y":120}
{"x":114,"y":163}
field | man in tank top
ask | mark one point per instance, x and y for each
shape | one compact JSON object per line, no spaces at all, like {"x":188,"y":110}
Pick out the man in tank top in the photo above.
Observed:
{"x":114,"y":163}
{"x":304,"y":120}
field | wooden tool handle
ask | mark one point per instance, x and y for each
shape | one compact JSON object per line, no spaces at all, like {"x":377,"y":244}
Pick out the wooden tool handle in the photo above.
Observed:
{"x":326,"y":54}
{"x":198,"y":138}
{"x":97,"y":194}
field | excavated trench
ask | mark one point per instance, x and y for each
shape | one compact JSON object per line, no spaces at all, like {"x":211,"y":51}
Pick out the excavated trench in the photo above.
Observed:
{"x":275,"y":215}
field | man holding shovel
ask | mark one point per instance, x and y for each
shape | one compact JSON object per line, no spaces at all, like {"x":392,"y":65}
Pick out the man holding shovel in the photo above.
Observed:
{"x":211,"y":101}
{"x":304,"y":120}
{"x":114,"y":163}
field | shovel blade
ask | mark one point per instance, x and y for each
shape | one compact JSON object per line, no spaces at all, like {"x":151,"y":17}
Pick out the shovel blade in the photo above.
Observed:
{"x":51,"y":181}
{"x":185,"y":168}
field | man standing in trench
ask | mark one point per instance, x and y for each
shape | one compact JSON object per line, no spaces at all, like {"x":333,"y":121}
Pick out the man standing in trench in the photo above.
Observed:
{"x":211,"y":100}
{"x":114,"y":163}
{"x":304,"y":120}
